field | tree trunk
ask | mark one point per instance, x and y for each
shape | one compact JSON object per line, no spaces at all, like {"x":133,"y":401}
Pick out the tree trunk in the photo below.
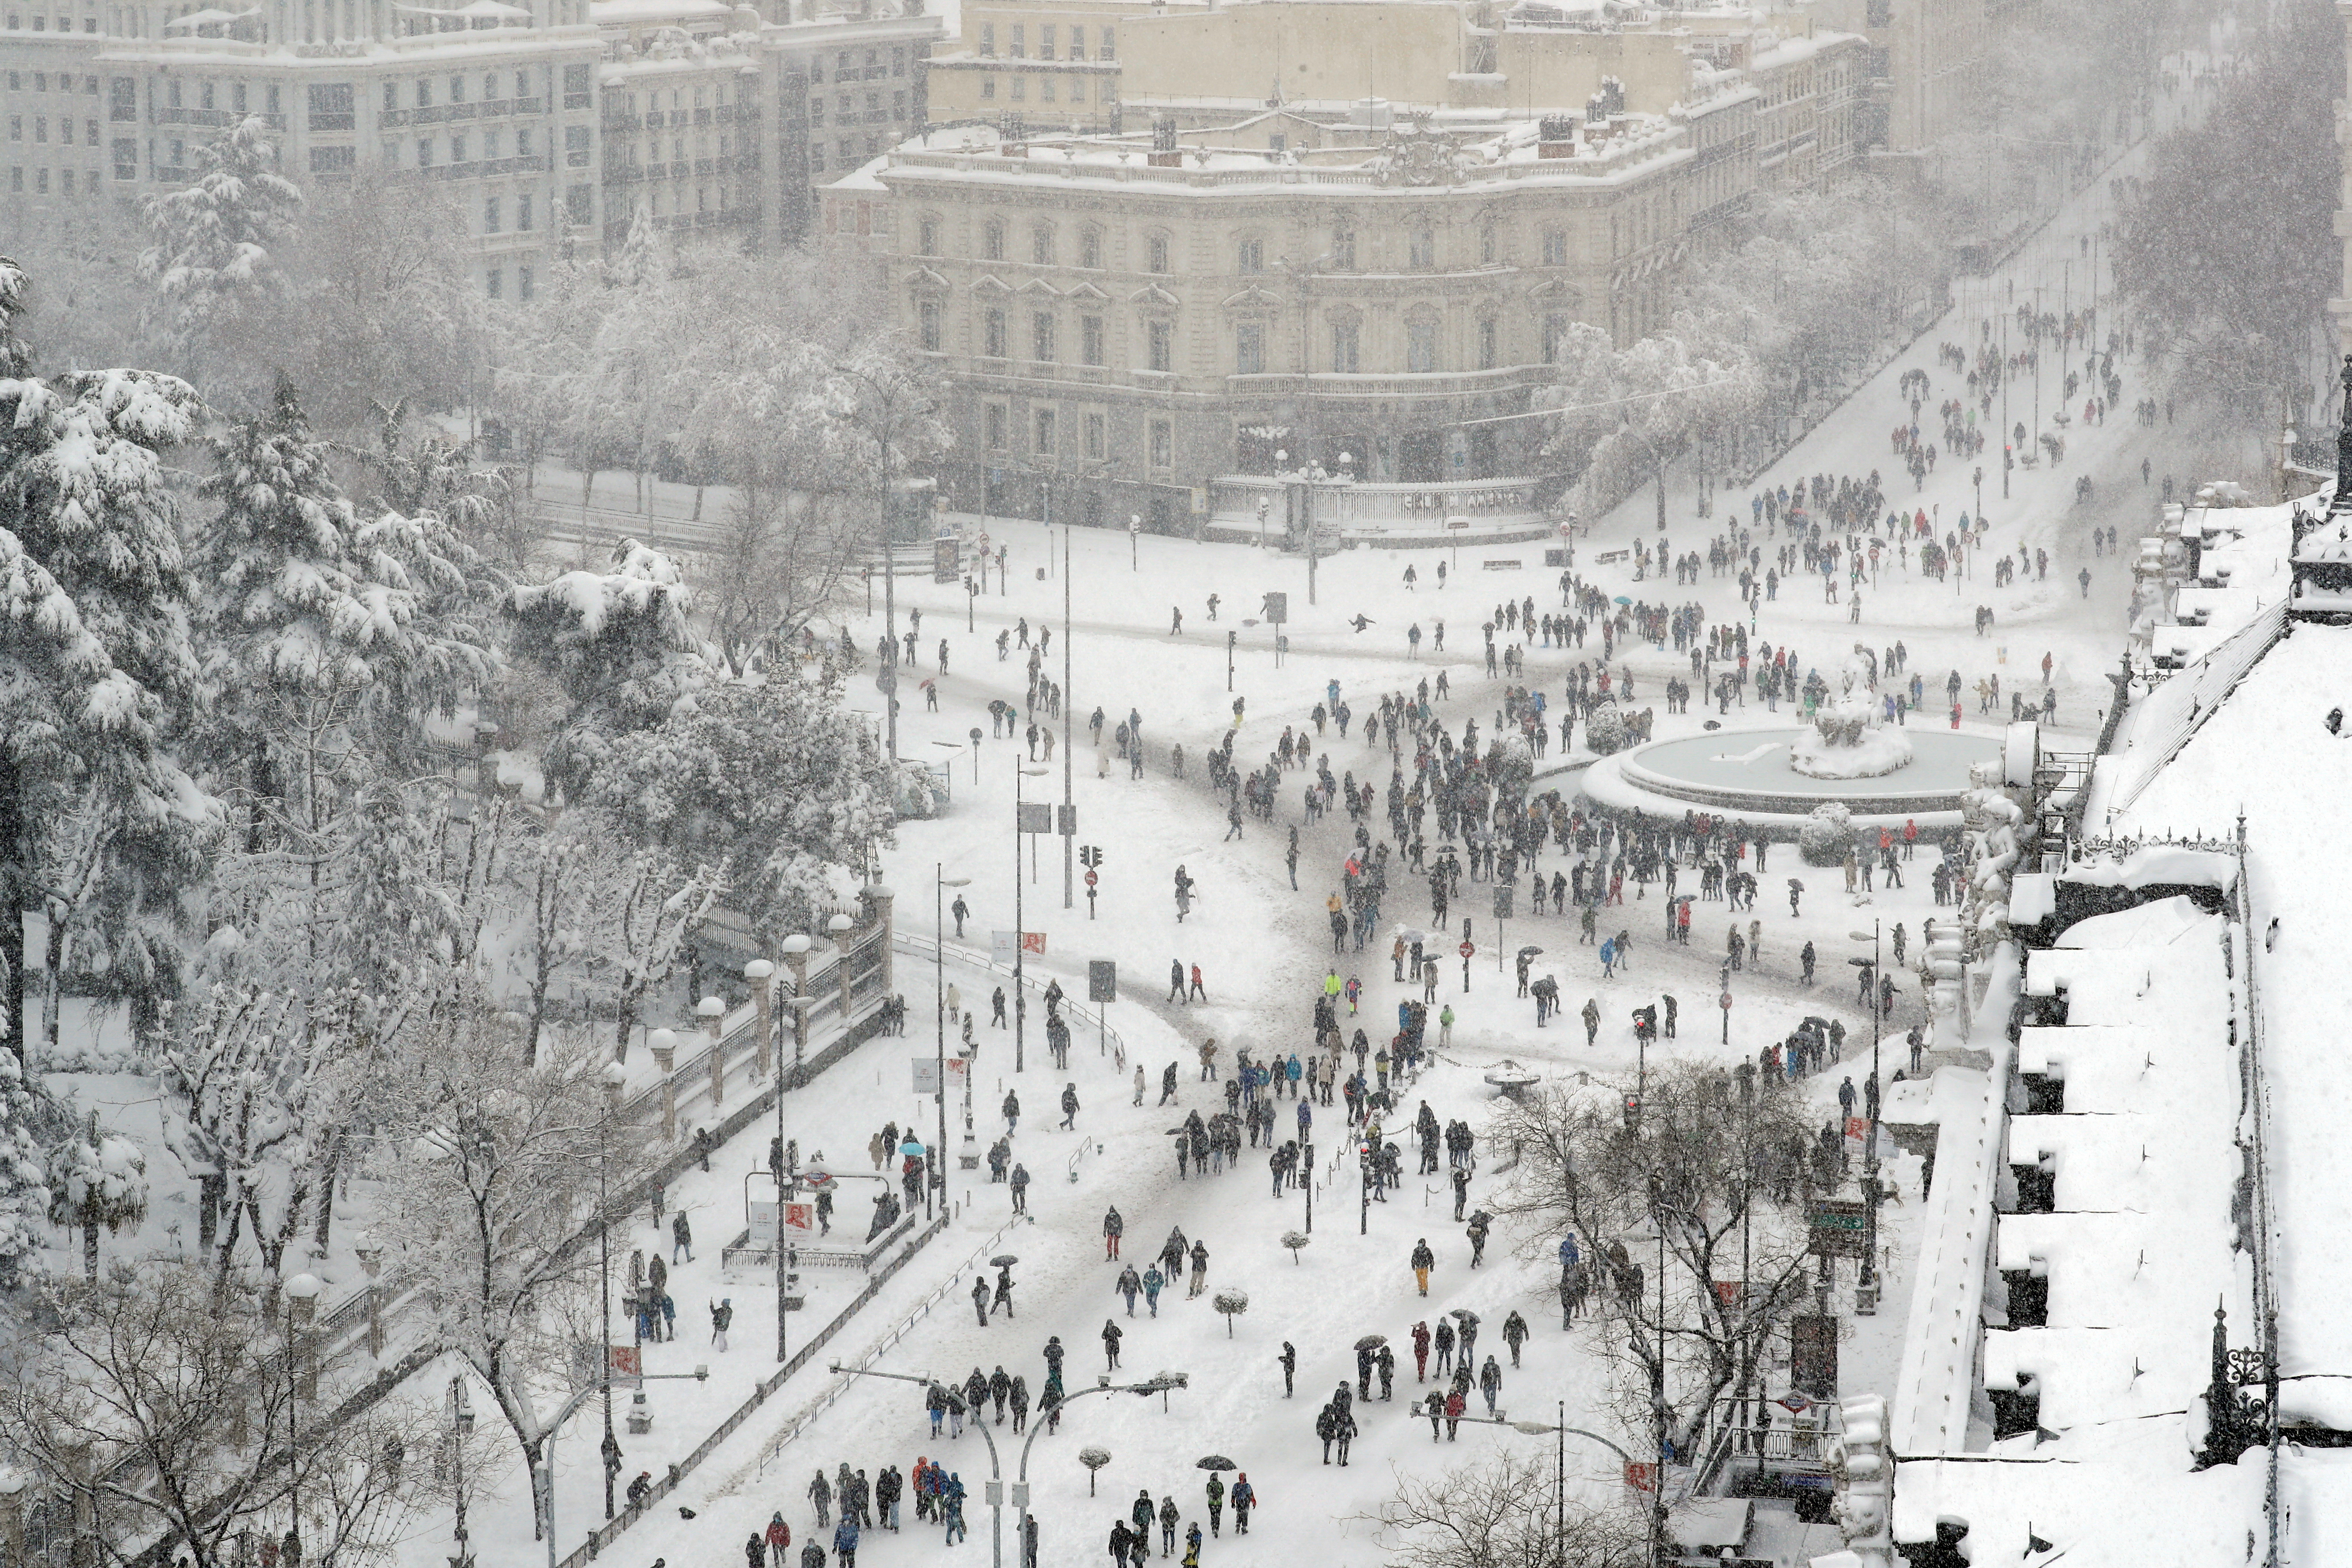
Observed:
{"x":1662,"y":495}
{"x":208,"y":1209}
{"x":90,"y":1249}
{"x":327,"y":1198}
{"x":628,"y":1025}
{"x":12,"y":901}
{"x":53,"y":964}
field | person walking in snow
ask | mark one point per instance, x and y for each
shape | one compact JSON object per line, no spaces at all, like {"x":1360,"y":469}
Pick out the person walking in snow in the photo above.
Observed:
{"x":1113,"y":1228}
{"x":1424,"y":1261}
{"x":1069,"y":1105}
{"x":1200,"y":1269}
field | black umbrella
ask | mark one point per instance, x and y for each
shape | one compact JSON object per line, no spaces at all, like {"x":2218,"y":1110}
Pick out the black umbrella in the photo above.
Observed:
{"x":1530,"y":952}
{"x":1371,"y":1341}
{"x":1480,"y":1216}
{"x":1796,"y":884}
{"x":1003,"y":1260}
{"x":1464,"y":1314}
{"x":1215,"y":1462}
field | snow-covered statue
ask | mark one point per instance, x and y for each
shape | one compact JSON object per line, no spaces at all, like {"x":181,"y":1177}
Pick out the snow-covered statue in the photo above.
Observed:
{"x":1849,"y":740}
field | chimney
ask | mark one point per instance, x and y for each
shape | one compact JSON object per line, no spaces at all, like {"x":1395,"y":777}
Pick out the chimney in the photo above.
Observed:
{"x":1164,"y":155}
{"x":1555,"y":136}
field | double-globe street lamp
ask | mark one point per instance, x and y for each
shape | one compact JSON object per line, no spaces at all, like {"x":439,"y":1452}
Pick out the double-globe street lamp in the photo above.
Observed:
{"x":1159,"y":1383}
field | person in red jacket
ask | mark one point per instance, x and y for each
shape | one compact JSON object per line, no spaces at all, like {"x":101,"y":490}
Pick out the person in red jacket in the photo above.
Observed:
{"x":1421,"y":1351}
{"x":1454,"y":1405}
{"x":780,"y":1540}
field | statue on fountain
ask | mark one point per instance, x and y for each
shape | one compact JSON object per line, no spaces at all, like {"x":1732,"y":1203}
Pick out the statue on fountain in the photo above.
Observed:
{"x":1849,"y":739}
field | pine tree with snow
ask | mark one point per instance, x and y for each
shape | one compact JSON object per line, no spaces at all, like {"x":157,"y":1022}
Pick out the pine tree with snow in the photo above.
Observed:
{"x":212,"y":263}
{"x":96,"y":1179}
{"x":619,"y":644}
{"x":95,"y":652}
{"x":30,"y":1124}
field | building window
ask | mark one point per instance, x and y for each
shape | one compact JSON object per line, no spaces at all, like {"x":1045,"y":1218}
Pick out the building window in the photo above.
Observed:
{"x":579,"y":201}
{"x":1020,"y":50}
{"x":1020,"y":88}
{"x":1095,"y":436}
{"x":988,"y":86}
{"x":1250,"y":254}
{"x":1555,"y":247}
{"x":1487,"y":244}
{"x":1045,"y":422}
{"x":1109,"y":48}
{"x":992,"y":240}
{"x":1090,"y":340}
{"x":524,"y":217}
{"x":1486,"y":344}
{"x":1162,"y":445}
{"x":1424,"y":249}
{"x":988,"y":40}
{"x":1077,"y":42}
{"x":1046,"y":42}
{"x":1249,"y":349}
{"x":497,"y":283}
{"x":457,"y":146}
{"x":1041,"y":337}
{"x":1421,"y":346}
{"x":993,"y":334}
{"x":1090,"y":247}
{"x":1345,"y":344}
{"x":1040,"y":245}
{"x":927,"y":317}
{"x":576,"y":146}
{"x":1160,"y":340}
{"x":490,"y":214}
{"x":1155,"y":254}
{"x":425,"y":152}
{"x":994,"y":421}
{"x":1555,"y":337}
{"x":927,"y":236}
{"x":524,"y":284}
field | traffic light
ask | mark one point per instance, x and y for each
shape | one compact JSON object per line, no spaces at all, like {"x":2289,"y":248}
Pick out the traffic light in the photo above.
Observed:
{"x":1090,"y":855}
{"x":1632,"y":1113}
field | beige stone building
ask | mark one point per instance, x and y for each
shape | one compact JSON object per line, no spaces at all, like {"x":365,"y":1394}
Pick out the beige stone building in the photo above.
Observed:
{"x":536,"y":118}
{"x":1135,"y":326}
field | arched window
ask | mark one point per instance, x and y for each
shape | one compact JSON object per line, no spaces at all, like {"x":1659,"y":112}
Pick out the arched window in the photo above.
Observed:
{"x":1090,"y":247}
{"x":1041,"y":244}
{"x":992,"y":240}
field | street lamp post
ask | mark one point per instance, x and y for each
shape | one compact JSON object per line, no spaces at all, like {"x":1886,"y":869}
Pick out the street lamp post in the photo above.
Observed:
{"x":940,"y":885}
{"x":1866,"y":1287}
{"x":1020,"y":933}
{"x":615,"y":1079}
{"x":461,"y":1427}
{"x":995,"y":1497}
{"x":1069,"y":824}
{"x":800,"y":1005}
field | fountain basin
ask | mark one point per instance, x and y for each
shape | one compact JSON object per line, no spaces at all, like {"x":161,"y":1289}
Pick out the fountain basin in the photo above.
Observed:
{"x":1747,"y":774}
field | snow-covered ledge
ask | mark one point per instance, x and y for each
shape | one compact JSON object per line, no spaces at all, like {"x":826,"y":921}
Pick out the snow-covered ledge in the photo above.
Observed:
{"x":1937,"y":1381}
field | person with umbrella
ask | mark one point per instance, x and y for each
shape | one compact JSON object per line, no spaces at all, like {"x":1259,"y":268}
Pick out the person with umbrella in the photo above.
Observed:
{"x":1003,"y":1296}
{"x":1466,"y":1343}
{"x":1216,"y":1492}
{"x":1364,"y":1348}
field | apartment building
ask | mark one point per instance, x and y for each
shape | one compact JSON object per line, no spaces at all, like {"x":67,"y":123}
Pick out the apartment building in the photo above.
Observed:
{"x":538,"y":119}
{"x":1127,"y":319}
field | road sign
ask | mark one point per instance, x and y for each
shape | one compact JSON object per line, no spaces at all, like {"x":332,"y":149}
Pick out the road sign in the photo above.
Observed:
{"x":1723,"y":1001}
{"x":1034,"y":816}
{"x":926,"y":1075}
{"x":1066,"y":821}
{"x":628,"y":1363}
{"x":1840,"y":1227}
{"x":1093,"y":878}
{"x":1502,"y":901}
{"x":1102,"y":976}
{"x":1277,"y":608}
{"x":1468,"y":948}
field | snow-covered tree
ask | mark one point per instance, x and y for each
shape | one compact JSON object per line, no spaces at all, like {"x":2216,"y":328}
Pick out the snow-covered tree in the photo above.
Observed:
{"x":497,"y":1170}
{"x":773,"y":782}
{"x":260,"y":1083}
{"x":1716,"y":1163}
{"x":640,"y":910}
{"x":619,"y":644}
{"x":94,"y":627}
{"x":213,"y":263}
{"x":97,"y":1178}
{"x":152,"y":1372}
{"x":1627,"y":413}
{"x":31,"y":1124}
